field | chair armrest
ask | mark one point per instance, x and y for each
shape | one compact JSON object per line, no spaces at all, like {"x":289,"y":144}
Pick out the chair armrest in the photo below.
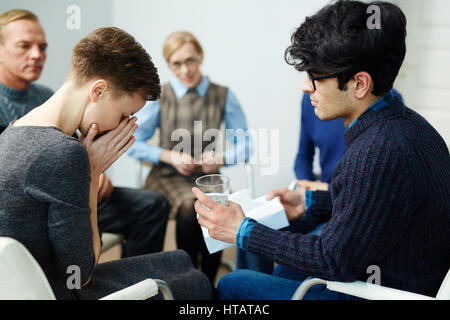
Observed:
{"x":139,"y":291}
{"x":371,"y":291}
{"x":304,"y":287}
{"x":359,"y":289}
{"x":292,"y":185}
{"x":164,"y":289}
{"x":109,"y":240}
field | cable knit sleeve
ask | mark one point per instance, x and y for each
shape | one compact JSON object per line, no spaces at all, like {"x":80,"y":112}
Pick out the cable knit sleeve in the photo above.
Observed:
{"x":369,"y":215}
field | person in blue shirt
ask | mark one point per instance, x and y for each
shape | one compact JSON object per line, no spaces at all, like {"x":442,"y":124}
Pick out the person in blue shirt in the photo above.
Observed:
{"x":191,"y":108}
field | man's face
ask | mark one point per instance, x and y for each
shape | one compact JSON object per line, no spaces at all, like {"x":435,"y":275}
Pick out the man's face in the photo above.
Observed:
{"x":22,"y":53}
{"x":185,"y":64}
{"x":328,"y":100}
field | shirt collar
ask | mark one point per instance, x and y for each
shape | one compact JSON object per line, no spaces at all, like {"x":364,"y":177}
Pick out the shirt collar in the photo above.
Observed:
{"x":384,"y":101}
{"x":180,"y":90}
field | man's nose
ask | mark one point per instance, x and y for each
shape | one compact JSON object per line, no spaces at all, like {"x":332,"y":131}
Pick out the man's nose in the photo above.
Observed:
{"x":307,"y":85}
{"x":36,"y":53}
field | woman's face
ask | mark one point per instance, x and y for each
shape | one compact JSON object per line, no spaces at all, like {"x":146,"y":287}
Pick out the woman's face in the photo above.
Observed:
{"x":109,"y":111}
{"x":185,"y":64}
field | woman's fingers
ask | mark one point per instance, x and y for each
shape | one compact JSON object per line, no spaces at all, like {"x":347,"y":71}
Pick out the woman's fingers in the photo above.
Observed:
{"x":92,"y":133}
{"x":110,"y":146}
{"x":124,"y":149}
{"x":124,"y":131}
{"x":129,"y":134}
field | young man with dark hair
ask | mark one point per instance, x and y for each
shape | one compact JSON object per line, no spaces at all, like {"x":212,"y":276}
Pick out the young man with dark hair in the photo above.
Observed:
{"x":388,"y":203}
{"x":139,"y":215}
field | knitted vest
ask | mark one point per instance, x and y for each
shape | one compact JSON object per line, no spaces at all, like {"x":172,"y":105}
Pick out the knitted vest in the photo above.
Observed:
{"x":183,"y":122}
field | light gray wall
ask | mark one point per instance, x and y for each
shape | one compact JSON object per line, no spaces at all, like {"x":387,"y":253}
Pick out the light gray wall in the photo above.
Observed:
{"x":53,"y":17}
{"x":424,"y":79}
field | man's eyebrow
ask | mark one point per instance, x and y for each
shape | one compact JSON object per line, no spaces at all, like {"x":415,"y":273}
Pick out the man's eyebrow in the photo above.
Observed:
{"x":24,"y":41}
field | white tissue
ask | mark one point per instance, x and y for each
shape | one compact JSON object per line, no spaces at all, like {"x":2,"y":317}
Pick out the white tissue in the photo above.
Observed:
{"x":269,"y":213}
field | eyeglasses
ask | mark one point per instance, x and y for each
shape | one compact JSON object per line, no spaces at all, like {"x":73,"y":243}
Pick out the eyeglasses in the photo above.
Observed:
{"x":189,"y":62}
{"x":327,"y":76}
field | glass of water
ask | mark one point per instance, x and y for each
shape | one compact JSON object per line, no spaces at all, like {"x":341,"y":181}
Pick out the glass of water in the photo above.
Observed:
{"x":215,"y":186}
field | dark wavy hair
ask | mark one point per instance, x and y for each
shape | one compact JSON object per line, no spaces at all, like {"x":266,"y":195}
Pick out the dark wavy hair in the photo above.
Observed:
{"x":338,"y":40}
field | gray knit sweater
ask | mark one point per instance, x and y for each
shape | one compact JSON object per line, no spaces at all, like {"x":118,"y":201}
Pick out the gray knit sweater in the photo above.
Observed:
{"x":44,"y":204}
{"x":45,"y":201}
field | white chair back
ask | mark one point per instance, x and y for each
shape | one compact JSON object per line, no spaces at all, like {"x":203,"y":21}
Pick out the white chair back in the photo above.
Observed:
{"x":21,"y":277}
{"x":444,"y":290}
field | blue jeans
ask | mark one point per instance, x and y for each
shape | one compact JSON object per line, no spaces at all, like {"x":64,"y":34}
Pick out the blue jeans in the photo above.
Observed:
{"x":247,"y":260}
{"x":252,"y":285}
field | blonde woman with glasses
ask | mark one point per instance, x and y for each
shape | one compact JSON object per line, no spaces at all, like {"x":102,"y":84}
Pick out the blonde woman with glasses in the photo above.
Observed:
{"x":191,"y":104}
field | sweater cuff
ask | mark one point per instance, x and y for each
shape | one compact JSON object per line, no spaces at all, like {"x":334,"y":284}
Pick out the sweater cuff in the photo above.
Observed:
{"x":309,"y":202}
{"x":320,"y":205}
{"x":245,"y":228}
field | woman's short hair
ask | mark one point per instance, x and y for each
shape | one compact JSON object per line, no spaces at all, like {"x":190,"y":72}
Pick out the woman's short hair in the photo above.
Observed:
{"x":13,"y":15}
{"x":176,"y":40}
{"x":115,"y":55}
{"x":339,"y":40}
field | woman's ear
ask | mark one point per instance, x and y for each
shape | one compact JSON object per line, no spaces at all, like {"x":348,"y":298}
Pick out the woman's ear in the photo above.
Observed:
{"x":98,"y":89}
{"x":363,"y":84}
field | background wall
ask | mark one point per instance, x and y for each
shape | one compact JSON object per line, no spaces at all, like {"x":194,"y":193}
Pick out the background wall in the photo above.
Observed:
{"x":244,"y":43}
{"x":425,"y":76}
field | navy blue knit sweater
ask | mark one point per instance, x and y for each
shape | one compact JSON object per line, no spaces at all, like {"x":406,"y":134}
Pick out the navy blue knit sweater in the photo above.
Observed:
{"x":388,"y":205}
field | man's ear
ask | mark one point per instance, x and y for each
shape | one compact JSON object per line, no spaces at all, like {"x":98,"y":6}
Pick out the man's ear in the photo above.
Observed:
{"x":363,"y":84}
{"x":98,"y":89}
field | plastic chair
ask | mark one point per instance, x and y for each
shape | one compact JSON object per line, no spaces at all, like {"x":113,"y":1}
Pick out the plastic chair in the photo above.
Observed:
{"x":292,"y":185}
{"x":371,"y":291}
{"x":109,"y":240}
{"x":22,"y":278}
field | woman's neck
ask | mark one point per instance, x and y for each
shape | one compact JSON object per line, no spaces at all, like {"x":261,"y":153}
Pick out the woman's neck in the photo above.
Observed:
{"x":64,"y":110}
